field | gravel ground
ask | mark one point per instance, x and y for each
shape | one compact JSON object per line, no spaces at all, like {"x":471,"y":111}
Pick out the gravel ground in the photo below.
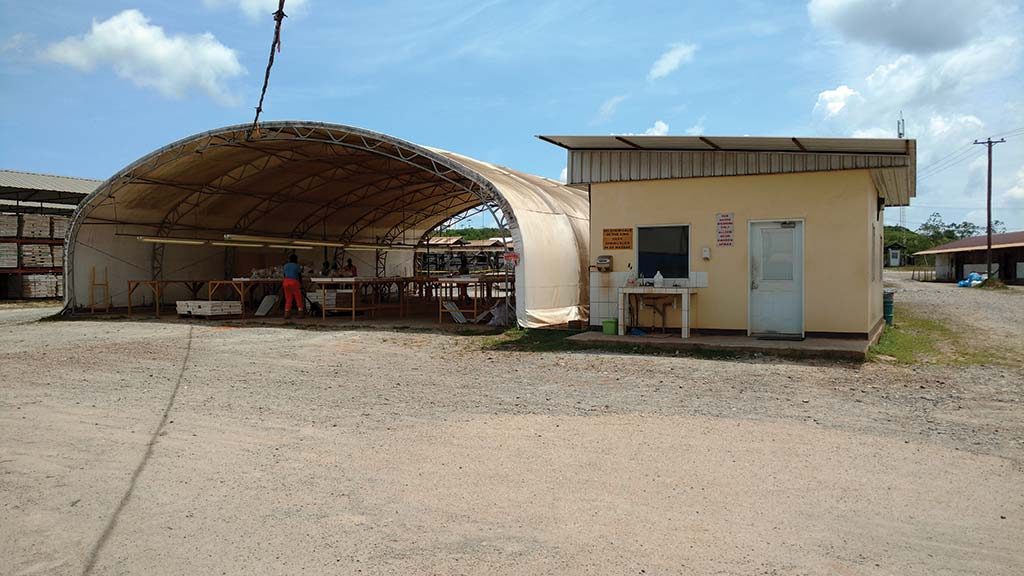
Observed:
{"x":168,"y":448}
{"x":998,"y":314}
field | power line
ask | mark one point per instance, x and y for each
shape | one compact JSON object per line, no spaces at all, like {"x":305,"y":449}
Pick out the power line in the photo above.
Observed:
{"x":970,"y":155}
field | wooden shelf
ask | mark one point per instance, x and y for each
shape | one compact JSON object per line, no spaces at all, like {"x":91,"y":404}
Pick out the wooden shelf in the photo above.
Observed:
{"x":19,"y":271}
{"x":20,"y":240}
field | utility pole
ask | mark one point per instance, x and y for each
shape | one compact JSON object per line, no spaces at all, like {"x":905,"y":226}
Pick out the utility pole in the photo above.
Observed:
{"x":989,"y":142}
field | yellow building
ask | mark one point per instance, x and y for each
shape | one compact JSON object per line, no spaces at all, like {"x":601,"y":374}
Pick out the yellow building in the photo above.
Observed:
{"x":758,"y":236}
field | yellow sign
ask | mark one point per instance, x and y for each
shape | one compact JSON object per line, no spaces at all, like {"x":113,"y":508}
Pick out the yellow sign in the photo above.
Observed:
{"x":618,"y":239}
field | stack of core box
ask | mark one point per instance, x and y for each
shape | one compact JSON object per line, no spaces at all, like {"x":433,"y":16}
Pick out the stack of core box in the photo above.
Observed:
{"x":8,"y":225}
{"x":8,"y":255}
{"x":17,"y":231}
{"x":209,"y":307}
{"x":60,"y":226}
{"x":36,"y":256}
{"x":40,"y":286}
{"x":317,"y":297}
{"x":35,"y":226}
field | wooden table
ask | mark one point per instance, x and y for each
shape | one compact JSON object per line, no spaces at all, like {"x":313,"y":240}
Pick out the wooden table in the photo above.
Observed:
{"x":157,"y":288}
{"x":356,"y":285}
{"x":242,"y":287}
{"x":483,"y":290}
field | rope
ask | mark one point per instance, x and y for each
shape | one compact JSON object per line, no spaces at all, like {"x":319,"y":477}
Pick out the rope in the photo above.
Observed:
{"x":275,"y":46}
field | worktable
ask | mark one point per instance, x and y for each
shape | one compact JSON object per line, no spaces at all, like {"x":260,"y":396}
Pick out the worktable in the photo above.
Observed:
{"x":356,"y":285}
{"x":242,"y":286}
{"x":483,"y":290}
{"x":157,"y":288}
{"x":627,"y":294}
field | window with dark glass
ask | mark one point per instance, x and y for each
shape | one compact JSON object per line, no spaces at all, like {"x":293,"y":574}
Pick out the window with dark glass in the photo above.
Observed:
{"x":665,"y":249}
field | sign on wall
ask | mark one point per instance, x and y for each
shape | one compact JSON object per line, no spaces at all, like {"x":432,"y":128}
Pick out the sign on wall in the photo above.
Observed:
{"x":724,"y":228}
{"x":618,"y":239}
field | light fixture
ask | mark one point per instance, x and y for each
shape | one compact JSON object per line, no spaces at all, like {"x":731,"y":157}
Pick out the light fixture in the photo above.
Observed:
{"x":237,"y":244}
{"x":302,"y":244}
{"x":289,"y":247}
{"x":248,"y":238}
{"x":163,"y":240}
{"x":323,"y":243}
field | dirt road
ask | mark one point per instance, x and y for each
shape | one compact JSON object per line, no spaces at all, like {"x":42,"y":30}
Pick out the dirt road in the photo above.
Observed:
{"x":386,"y":452}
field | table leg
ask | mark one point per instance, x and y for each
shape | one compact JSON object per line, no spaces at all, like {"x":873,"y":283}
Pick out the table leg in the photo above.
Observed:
{"x":623,"y":312}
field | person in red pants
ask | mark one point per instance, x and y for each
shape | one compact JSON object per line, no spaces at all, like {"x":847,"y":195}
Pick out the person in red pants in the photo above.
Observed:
{"x":292,"y":286}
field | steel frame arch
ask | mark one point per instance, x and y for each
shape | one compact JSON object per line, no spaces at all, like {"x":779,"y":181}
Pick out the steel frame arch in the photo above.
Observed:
{"x":447,"y":169}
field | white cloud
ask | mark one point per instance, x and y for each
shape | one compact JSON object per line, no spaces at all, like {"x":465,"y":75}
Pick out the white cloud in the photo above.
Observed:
{"x":1016,"y":193}
{"x":940,"y":126}
{"x":911,"y":79}
{"x":659,"y":129}
{"x":833,"y":101}
{"x":609,"y":107}
{"x":256,"y":9}
{"x":915,"y":26}
{"x":144,"y":54}
{"x":563,"y":176}
{"x":16,"y":42}
{"x":697,"y":129}
{"x":874,"y":132}
{"x":953,"y":82}
{"x":671,"y":60}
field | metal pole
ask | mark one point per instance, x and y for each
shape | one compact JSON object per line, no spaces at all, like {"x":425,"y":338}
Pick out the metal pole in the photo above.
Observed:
{"x":988,"y":210}
{"x":989,"y":142}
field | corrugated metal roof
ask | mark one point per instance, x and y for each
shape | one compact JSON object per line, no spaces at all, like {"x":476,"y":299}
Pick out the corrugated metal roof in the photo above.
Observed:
{"x":975,"y":243}
{"x":444,"y":240}
{"x":49,"y":182}
{"x":733,"y":143}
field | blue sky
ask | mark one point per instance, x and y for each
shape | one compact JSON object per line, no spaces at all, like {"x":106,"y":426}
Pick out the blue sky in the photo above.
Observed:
{"x":88,"y":87}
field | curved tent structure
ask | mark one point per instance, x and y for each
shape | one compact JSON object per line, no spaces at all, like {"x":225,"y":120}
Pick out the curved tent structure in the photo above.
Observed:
{"x":320,"y":182}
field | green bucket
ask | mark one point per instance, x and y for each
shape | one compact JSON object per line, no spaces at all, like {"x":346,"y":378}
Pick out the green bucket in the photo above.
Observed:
{"x":610,"y":326}
{"x":888,"y":306}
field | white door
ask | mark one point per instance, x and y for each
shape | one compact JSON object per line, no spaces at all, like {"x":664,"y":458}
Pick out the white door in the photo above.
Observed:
{"x":776,"y":277}
{"x":894,"y":258}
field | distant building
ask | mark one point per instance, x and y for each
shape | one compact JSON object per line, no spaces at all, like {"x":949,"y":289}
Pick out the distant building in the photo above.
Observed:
{"x":955,"y":260}
{"x":34,"y":213}
{"x":896,"y":255}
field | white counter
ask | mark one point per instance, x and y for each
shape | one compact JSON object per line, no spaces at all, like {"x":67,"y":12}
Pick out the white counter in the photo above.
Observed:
{"x":683,"y":293}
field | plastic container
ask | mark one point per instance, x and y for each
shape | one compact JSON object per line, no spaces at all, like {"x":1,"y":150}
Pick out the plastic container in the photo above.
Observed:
{"x":888,"y":306}
{"x":610,"y":326}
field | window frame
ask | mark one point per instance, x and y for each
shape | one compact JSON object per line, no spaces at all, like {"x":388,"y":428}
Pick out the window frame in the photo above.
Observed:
{"x":689,"y":248}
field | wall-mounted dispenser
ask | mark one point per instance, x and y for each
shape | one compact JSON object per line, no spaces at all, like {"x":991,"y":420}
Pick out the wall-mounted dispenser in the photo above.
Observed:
{"x":604,"y":263}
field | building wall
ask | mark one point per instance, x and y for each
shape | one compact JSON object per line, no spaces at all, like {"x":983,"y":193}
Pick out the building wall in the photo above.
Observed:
{"x":842,"y":242}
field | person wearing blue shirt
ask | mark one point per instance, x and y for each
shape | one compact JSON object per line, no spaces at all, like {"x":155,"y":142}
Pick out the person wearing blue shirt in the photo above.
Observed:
{"x":291,"y":285}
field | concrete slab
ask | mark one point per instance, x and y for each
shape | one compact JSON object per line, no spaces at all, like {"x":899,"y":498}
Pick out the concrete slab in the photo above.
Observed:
{"x":852,"y":349}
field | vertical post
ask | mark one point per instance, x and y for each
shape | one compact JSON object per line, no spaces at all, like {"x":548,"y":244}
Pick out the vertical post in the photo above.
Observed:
{"x":988,"y":212}
{"x":989,"y":142}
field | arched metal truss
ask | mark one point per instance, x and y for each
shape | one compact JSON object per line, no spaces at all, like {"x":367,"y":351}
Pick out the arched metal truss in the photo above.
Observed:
{"x":426,"y":184}
{"x":330,"y":182}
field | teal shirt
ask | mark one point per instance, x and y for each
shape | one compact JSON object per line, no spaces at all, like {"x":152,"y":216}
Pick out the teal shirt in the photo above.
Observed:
{"x":293,"y":270}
